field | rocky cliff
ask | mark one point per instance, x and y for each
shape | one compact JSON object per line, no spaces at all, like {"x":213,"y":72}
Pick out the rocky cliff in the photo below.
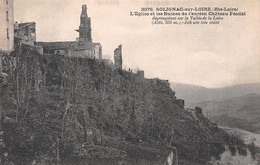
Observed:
{"x":59,"y":105}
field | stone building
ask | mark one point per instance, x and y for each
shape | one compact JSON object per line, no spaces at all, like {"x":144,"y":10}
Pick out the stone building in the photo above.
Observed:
{"x":118,"y":57}
{"x":6,"y":25}
{"x":25,"y":33}
{"x":82,"y":47}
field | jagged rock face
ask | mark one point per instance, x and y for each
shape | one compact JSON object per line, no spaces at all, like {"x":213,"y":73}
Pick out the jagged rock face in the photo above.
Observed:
{"x":57,"y":97}
{"x":198,"y":109}
{"x":180,"y":103}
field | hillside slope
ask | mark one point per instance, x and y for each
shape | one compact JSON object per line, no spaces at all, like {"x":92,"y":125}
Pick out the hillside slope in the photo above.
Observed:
{"x":195,"y":94}
{"x":67,"y":108}
{"x":239,"y":112}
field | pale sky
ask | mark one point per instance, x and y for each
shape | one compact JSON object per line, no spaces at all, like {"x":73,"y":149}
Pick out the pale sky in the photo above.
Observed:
{"x":205,"y":55}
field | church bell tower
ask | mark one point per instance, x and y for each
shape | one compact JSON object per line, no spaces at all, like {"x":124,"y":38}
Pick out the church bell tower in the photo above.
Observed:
{"x":85,"y":26}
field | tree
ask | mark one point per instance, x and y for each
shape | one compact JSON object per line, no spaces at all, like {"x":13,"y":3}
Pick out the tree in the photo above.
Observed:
{"x":3,"y":84}
{"x":252,"y":148}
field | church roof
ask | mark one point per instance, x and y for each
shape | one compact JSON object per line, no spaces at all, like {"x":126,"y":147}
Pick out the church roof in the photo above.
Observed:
{"x":69,"y":44}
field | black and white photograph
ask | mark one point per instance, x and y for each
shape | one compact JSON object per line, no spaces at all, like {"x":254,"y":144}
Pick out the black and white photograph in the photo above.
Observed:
{"x":129,"y":82}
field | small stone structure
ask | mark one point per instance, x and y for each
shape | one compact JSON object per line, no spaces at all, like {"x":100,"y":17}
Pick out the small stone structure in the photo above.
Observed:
{"x":140,"y":75}
{"x":118,"y":57}
{"x":25,"y":33}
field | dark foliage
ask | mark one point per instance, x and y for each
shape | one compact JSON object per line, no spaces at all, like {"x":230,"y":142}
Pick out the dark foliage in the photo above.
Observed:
{"x":61,"y":102}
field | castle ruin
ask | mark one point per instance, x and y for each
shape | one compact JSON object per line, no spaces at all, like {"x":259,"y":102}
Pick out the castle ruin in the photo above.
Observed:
{"x":25,"y":33}
{"x":118,"y":57}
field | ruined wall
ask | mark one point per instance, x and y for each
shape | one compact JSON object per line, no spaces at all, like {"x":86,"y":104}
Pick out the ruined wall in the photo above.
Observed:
{"x":118,"y":57}
{"x":83,"y":53}
{"x":97,"y":52}
{"x":140,"y":74}
{"x":71,"y":48}
{"x":26,"y":33}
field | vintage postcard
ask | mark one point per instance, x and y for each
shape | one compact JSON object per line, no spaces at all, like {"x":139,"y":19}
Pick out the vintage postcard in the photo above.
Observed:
{"x":129,"y":82}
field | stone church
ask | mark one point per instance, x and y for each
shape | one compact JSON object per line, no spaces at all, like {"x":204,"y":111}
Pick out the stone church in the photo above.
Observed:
{"x":82,"y":47}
